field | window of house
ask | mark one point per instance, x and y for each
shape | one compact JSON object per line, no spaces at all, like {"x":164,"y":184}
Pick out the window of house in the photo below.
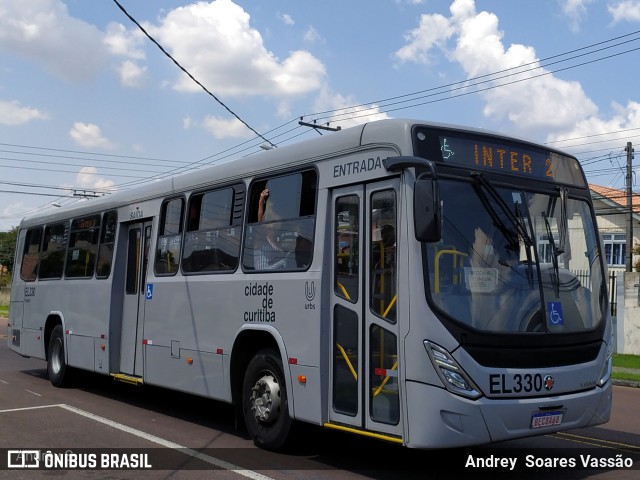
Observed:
{"x":615,"y":249}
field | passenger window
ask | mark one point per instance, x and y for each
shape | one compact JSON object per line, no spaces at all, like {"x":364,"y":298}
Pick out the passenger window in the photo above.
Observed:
{"x":383,"y":254}
{"x":214,"y":227}
{"x":83,"y":247}
{"x":347,"y":238}
{"x":281,"y":224}
{"x":31,"y":255}
{"x":53,"y":251}
{"x":169,"y":237}
{"x":107,"y":242}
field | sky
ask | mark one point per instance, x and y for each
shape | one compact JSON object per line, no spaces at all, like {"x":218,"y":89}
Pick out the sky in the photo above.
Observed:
{"x":90,"y":103}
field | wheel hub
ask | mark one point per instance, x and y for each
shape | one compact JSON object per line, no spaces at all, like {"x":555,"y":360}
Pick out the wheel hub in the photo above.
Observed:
{"x":265,"y":399}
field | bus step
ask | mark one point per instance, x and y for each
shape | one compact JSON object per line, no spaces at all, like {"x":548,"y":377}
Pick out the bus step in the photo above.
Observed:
{"x":121,"y":377}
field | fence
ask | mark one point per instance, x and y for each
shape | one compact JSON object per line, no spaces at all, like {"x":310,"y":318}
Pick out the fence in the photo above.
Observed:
{"x":585,"y":279}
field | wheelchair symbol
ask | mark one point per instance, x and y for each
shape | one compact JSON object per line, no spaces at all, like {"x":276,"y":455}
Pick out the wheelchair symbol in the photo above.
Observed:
{"x":149,"y":291}
{"x":555,"y":313}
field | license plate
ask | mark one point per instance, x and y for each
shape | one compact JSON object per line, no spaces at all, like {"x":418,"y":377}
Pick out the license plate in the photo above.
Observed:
{"x":546,"y":419}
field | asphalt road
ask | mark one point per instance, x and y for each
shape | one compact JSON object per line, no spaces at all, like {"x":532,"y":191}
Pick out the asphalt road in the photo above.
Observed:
{"x":185,"y":436}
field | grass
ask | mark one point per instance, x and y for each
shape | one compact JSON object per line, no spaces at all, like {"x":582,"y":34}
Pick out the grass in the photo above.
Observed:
{"x":626,"y":361}
{"x":4,"y":302}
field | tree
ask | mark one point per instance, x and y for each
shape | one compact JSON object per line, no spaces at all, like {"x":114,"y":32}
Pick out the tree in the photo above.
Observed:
{"x":8,"y":247}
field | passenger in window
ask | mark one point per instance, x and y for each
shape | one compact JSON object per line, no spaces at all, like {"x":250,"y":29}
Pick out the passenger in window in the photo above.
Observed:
{"x":268,"y":255}
{"x":262,"y":203}
{"x":384,"y":251}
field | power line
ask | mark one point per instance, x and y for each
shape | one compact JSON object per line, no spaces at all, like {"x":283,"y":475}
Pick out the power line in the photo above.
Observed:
{"x":381,"y":106}
{"x":189,"y":74}
{"x":252,"y":145}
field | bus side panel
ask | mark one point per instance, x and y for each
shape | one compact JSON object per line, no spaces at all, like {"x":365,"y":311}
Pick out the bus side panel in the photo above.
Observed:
{"x":14,"y":337}
{"x":16,"y":301}
{"x":189,"y":371}
{"x":80,"y":351}
{"x":307,"y":393}
{"x":33,"y":343}
{"x":85,"y":319}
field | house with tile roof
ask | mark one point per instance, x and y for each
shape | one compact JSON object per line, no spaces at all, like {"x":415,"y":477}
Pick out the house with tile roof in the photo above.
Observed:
{"x":612,"y":214}
{"x":613,"y":219}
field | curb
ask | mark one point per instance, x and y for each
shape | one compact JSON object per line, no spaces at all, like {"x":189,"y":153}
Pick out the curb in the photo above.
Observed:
{"x":626,"y":383}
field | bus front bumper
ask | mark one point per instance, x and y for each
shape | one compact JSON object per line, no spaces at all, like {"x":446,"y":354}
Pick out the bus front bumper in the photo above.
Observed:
{"x":456,"y":421}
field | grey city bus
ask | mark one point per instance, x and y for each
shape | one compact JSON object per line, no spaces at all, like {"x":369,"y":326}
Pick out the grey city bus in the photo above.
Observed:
{"x":425,"y":284}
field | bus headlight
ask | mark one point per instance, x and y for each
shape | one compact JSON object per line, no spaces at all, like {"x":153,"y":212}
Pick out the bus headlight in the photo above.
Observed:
{"x":451,"y":374}
{"x":608,"y":365}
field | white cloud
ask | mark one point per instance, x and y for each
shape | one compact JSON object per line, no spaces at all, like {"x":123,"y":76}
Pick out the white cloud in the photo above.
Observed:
{"x":312,"y":36}
{"x":224,"y":128}
{"x":131,"y":74}
{"x":12,"y":113}
{"x":215,"y":42}
{"x":43,"y":31}
{"x":433,"y":31}
{"x":625,"y":10}
{"x":576,"y":10}
{"x":474,"y":40}
{"x":88,"y":178}
{"x":286,"y":19}
{"x":88,"y":135}
{"x":123,"y":42}
{"x":344,"y":114}
{"x":624,"y":118}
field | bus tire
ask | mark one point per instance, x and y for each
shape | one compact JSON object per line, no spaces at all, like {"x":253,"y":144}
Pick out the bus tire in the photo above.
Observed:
{"x":265,"y":404}
{"x":57,"y":369}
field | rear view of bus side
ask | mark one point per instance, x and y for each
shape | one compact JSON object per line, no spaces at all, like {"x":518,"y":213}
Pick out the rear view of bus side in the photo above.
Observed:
{"x":424,"y":284}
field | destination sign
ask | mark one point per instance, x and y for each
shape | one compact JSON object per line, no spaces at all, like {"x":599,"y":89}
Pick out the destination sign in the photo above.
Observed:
{"x":497,"y":154}
{"x":497,"y":157}
{"x":85,"y":223}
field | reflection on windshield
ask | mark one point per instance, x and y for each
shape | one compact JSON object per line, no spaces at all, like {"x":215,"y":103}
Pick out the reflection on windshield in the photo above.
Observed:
{"x":515,"y":261}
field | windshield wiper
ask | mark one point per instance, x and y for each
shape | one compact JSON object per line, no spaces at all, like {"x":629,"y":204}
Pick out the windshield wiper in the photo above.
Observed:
{"x":481,"y":184}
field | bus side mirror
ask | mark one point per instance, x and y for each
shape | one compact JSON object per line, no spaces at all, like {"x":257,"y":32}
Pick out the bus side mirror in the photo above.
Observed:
{"x":427,"y":210}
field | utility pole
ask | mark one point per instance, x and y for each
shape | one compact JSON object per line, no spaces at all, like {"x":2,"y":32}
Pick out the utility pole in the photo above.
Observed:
{"x":629,"y":151}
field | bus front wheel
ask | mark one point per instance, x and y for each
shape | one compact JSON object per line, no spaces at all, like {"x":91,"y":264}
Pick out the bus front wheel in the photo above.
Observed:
{"x":264,"y":401}
{"x":57,"y":368}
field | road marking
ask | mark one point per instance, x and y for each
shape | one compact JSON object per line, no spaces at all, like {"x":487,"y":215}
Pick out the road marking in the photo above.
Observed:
{"x":4,"y":381}
{"x":598,"y":442}
{"x":10,"y":410}
{"x":34,"y":393}
{"x":152,"y":438}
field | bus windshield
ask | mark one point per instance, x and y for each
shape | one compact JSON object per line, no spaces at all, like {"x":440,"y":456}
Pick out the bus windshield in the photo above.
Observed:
{"x":515,"y":261}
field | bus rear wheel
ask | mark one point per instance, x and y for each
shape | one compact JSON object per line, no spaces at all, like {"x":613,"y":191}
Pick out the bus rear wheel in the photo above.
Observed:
{"x":264,"y":401}
{"x":57,"y":369}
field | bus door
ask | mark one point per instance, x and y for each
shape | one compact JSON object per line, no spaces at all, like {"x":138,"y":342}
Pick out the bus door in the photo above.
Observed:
{"x":135,"y":291}
{"x":364,"y":361}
